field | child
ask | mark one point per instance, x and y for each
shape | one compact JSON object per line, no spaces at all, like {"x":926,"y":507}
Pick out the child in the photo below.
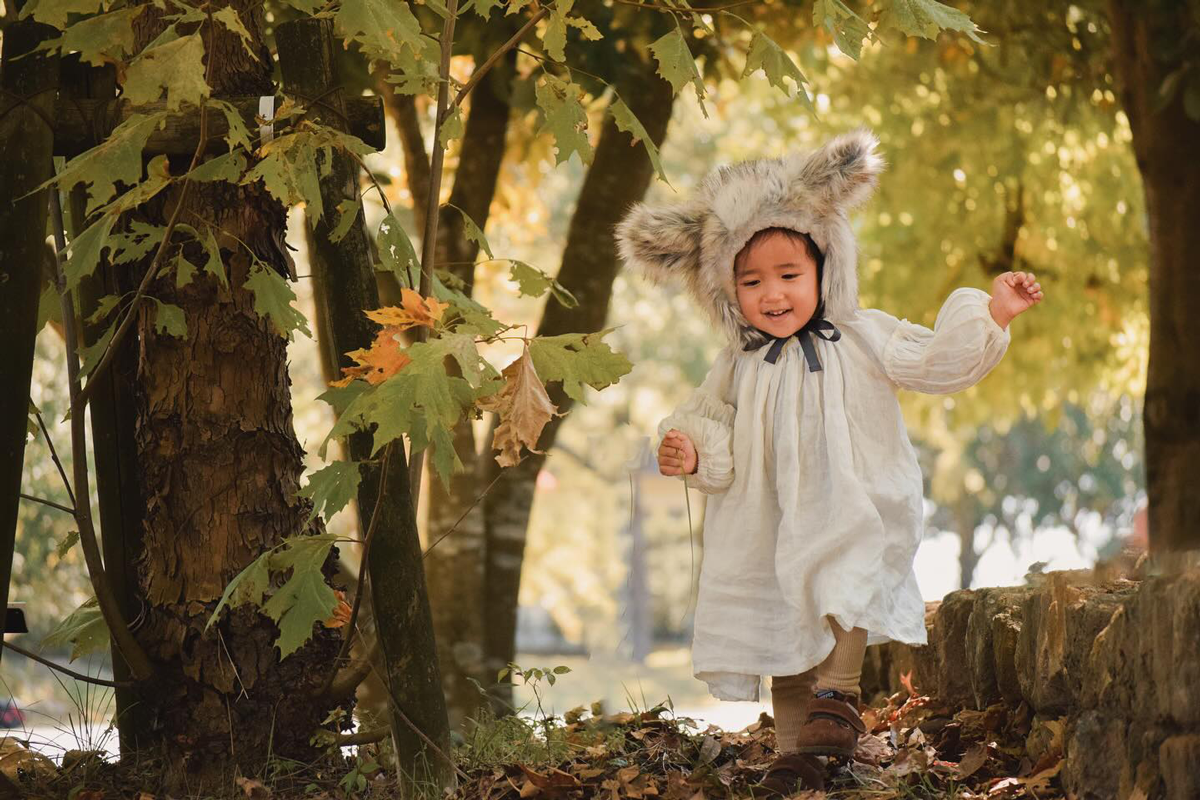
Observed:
{"x":817,"y":507}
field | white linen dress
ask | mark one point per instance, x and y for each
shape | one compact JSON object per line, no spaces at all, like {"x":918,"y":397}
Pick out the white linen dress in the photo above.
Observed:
{"x":816,"y":504}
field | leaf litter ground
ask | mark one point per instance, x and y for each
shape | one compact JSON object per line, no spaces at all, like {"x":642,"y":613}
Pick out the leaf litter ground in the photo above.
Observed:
{"x":914,"y":748}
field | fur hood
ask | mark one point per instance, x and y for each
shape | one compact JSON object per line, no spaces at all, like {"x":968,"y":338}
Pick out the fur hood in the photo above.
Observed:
{"x":694,"y":242}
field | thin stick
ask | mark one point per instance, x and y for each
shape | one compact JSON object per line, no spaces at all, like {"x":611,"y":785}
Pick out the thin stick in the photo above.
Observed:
{"x":362,"y":570}
{"x":54,"y":455}
{"x":478,"y":74}
{"x":429,"y":240}
{"x":345,"y":682}
{"x":463,"y":516}
{"x":72,"y":673}
{"x":363,"y":737}
{"x":46,"y":502}
{"x":126,"y":645}
{"x":685,"y":9}
{"x":404,"y":718}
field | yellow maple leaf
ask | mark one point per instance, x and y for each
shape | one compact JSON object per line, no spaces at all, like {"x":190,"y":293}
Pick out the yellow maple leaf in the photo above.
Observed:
{"x":413,"y":310}
{"x":524,"y":409}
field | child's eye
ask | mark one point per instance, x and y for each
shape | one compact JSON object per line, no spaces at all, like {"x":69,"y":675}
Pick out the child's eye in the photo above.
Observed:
{"x":750,"y":283}
{"x":787,"y":276}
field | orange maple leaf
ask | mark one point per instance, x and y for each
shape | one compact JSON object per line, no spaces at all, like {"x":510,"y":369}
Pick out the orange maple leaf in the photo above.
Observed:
{"x":413,"y":310}
{"x":383,"y":359}
{"x":341,"y":612}
{"x":906,"y":682}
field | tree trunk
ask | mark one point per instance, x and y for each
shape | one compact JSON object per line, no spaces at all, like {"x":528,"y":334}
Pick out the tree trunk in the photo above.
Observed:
{"x":965,"y":521}
{"x":1148,"y":39}
{"x":617,"y":178}
{"x":219,"y":468}
{"x":399,"y":599}
{"x":27,"y":99}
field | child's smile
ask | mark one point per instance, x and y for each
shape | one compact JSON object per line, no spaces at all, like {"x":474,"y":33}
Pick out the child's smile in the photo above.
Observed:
{"x":777,"y":287}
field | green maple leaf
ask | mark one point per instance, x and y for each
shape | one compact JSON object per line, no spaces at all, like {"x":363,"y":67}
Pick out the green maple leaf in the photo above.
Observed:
{"x":49,"y":306}
{"x":397,"y":253}
{"x":926,"y":18}
{"x":273,"y":299}
{"x":55,"y":12}
{"x":676,"y":64}
{"x":91,"y":355}
{"x":137,"y":243}
{"x":226,"y":167}
{"x":118,"y":159}
{"x":64,"y":547}
{"x":176,"y":67}
{"x":100,"y":39}
{"x":445,"y":460}
{"x":452,"y":127}
{"x":565,"y":118}
{"x":578,"y":359}
{"x":532,"y":282}
{"x":484,"y":7}
{"x":84,"y":629}
{"x":771,"y":59}
{"x":586,"y":28}
{"x":305,"y":598}
{"x":184,"y":270}
{"x":628,"y":122}
{"x":228,"y":17}
{"x":383,"y":27}
{"x":473,"y":231}
{"x":104,"y":307}
{"x":347,"y":215}
{"x":83,"y":252}
{"x":555,"y":37}
{"x":331,"y":488}
{"x":248,"y":586}
{"x":169,"y":319}
{"x":238,"y":134}
{"x":848,"y":28}
{"x":288,"y":170}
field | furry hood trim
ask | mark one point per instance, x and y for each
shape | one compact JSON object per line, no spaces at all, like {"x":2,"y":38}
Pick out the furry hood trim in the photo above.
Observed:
{"x":695,"y":241}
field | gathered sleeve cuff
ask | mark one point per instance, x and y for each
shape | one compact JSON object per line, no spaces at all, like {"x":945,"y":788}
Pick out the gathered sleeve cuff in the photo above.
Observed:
{"x":964,"y":345}
{"x":708,"y":421}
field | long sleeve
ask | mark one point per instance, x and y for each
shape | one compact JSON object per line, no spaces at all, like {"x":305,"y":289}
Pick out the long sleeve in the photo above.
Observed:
{"x":964,"y":345}
{"x":707,"y":419}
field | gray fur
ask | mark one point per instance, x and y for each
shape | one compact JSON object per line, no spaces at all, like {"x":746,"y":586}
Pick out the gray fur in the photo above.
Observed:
{"x":695,"y":241}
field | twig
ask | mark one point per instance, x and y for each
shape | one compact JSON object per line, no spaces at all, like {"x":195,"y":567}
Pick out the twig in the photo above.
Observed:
{"x":345,"y":682}
{"x":429,"y":240}
{"x":478,"y":74}
{"x":398,"y":711}
{"x":54,"y":455}
{"x":685,"y":9}
{"x":362,"y":570}
{"x":79,"y":676}
{"x":363,"y":737}
{"x":46,"y":502}
{"x":126,"y":645}
{"x":463,"y":516}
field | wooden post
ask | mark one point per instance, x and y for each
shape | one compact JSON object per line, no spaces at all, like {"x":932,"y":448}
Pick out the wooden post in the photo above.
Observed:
{"x":27,"y":141}
{"x":345,"y":274}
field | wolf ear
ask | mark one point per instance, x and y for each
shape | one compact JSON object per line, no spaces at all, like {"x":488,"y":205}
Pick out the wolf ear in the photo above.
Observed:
{"x":845,"y":170}
{"x":662,"y":242}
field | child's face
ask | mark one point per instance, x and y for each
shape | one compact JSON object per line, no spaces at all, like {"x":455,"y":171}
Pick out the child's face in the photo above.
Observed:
{"x":777,"y":288}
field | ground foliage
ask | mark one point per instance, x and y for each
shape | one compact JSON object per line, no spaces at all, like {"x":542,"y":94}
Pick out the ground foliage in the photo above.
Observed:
{"x":915,"y":748}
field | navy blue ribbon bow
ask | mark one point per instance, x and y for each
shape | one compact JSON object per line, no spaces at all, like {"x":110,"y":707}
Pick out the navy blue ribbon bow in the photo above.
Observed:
{"x":821,"y":328}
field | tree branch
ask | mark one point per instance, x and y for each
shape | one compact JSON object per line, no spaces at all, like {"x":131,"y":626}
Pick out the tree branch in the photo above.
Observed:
{"x":46,"y":502}
{"x":345,"y":682}
{"x":478,"y":74}
{"x":363,"y":737}
{"x":54,"y":455}
{"x":79,"y":676}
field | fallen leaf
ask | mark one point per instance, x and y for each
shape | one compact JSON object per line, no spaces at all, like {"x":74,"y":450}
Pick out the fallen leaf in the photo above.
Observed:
{"x":524,"y":408}
{"x":710,"y":748}
{"x":1040,"y":781}
{"x":871,"y":749}
{"x":906,"y":682}
{"x":252,"y":789}
{"x":972,"y":760}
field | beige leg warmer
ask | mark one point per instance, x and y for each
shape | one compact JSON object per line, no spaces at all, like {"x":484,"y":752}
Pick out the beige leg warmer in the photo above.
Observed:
{"x":789,"y":701}
{"x":842,"y":668}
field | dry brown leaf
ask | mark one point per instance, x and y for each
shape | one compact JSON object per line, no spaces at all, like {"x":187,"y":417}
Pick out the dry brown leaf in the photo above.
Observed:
{"x":524,"y":409}
{"x":252,"y":789}
{"x":1040,"y":781}
{"x":90,"y":794}
{"x":975,"y":757}
{"x":872,"y":749}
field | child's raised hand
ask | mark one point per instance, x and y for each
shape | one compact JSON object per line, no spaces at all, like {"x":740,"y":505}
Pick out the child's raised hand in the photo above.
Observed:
{"x":676,"y":454}
{"x":1013,"y":293}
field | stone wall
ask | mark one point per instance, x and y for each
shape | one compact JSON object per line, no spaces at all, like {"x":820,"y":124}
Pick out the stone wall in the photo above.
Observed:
{"x":1120,"y":660}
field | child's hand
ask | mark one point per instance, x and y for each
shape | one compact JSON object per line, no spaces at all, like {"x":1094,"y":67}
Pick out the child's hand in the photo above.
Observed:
{"x":1013,"y":293}
{"x":676,"y":454}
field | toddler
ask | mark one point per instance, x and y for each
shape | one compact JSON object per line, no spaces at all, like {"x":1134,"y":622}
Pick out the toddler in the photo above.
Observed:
{"x":816,"y":508}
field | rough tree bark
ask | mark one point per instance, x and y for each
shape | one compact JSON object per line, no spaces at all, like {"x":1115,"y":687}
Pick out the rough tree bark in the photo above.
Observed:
{"x":345,"y":275}
{"x":26,"y":109}
{"x":618,"y":177}
{"x":1164,"y":143}
{"x":219,"y":468}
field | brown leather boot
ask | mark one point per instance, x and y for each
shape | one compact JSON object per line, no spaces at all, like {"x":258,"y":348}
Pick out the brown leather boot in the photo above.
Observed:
{"x":833,"y":725}
{"x":791,"y":772}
